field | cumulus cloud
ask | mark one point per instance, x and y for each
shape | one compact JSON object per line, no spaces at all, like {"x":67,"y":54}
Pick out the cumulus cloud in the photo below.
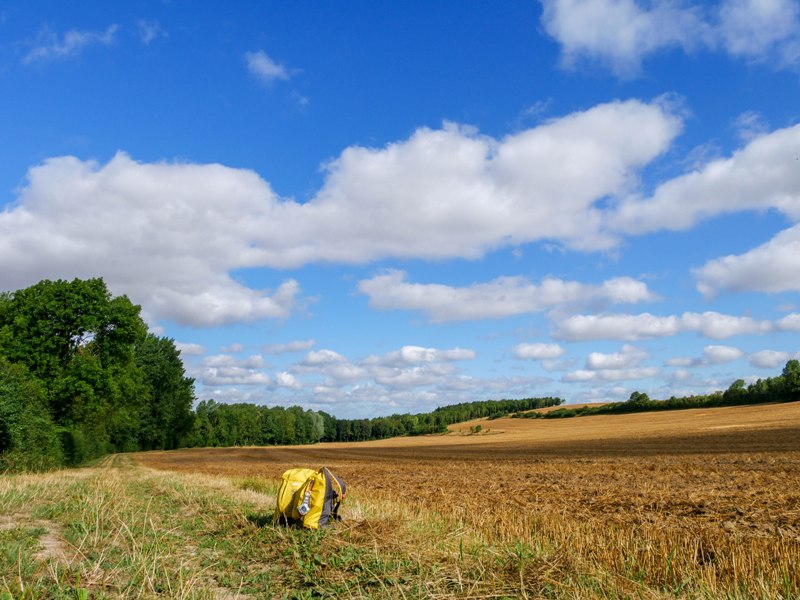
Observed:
{"x":768,"y":359}
{"x":410,"y":355}
{"x":263,"y":68}
{"x":50,"y":46}
{"x":762,"y":175}
{"x":190,"y":349}
{"x":170,"y":234}
{"x":629,"y":356}
{"x":226,"y":370}
{"x":167,"y":235}
{"x":771,"y":267}
{"x":646,"y":326}
{"x":762,"y":30}
{"x":408,"y":367}
{"x":620,"y":34}
{"x":501,"y":297}
{"x":538,"y":351}
{"x":789,"y":322}
{"x":716,"y":355}
{"x":287,"y":380}
{"x":585,"y":375}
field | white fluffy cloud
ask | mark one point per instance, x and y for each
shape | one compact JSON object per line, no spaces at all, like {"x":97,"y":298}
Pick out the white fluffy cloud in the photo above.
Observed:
{"x":762,"y":175}
{"x":189,"y":349}
{"x":169,"y":234}
{"x":49,"y":46}
{"x":227,"y":370}
{"x":411,"y":355}
{"x":408,"y":367}
{"x":629,"y":356}
{"x":585,"y":375}
{"x":771,"y":267}
{"x":768,"y":359}
{"x":538,"y":351}
{"x":762,"y":29}
{"x":645,"y":326}
{"x":620,"y":34}
{"x":501,"y":297}
{"x":717,"y":355}
{"x":287,"y":380}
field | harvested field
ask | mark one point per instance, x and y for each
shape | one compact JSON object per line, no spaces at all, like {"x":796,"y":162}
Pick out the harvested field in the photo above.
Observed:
{"x":703,"y":501}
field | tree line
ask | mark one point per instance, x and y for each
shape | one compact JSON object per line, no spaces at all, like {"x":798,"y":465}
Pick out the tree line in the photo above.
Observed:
{"x":782,"y":388}
{"x":217,"y":424}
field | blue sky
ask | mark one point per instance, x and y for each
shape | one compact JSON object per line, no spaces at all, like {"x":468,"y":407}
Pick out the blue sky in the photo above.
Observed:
{"x":370,"y":208}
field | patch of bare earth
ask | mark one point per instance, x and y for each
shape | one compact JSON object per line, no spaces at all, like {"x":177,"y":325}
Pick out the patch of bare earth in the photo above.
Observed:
{"x":53,"y":545}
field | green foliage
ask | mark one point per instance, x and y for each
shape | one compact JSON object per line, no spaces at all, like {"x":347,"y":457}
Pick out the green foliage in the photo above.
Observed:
{"x":101,"y":382}
{"x":167,"y":418}
{"x":28,"y":437}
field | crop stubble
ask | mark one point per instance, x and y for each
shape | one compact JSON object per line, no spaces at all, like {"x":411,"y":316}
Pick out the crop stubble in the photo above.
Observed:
{"x":710,"y":496}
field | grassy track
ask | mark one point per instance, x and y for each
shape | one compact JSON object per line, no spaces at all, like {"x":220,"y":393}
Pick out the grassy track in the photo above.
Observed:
{"x":535,"y":512}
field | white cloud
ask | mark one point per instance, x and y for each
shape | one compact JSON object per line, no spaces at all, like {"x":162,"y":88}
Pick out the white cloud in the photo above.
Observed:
{"x":411,"y":355}
{"x":712,"y":355}
{"x":768,"y":359}
{"x":771,"y":267}
{"x":789,"y":323}
{"x":620,"y":34}
{"x":50,"y":46}
{"x":538,"y":351}
{"x":226,"y":370}
{"x":264,"y":68}
{"x":408,"y":367}
{"x":717,"y":355}
{"x":167,"y":235}
{"x":501,"y":297}
{"x":323,"y":357}
{"x":629,"y":356}
{"x":287,"y":380}
{"x":255,"y":361}
{"x":762,"y":175}
{"x":644,"y":326}
{"x":189,"y":349}
{"x":585,"y":375}
{"x":295,"y":346}
{"x":762,"y":30}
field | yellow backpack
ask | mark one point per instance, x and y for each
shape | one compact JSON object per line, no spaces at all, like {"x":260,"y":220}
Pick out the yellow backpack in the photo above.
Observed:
{"x":309,"y":498}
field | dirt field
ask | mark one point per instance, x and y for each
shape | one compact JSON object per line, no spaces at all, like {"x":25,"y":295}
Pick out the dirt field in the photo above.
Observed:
{"x":711,"y":493}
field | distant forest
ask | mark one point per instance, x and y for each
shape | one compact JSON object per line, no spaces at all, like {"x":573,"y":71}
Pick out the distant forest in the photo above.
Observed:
{"x":81,"y":376}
